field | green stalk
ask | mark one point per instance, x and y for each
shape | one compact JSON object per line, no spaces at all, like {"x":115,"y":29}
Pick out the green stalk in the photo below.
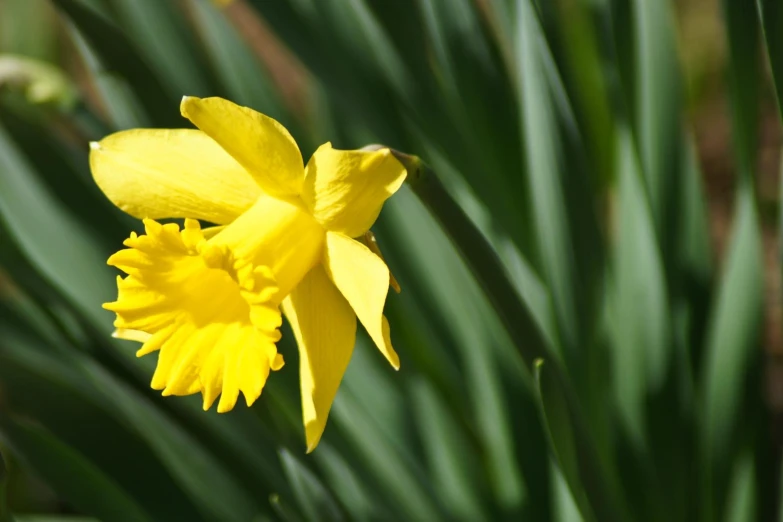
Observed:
{"x":5,"y":515}
{"x":518,"y":320}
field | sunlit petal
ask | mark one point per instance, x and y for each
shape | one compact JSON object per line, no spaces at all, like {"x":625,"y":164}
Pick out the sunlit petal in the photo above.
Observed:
{"x":345,"y":189}
{"x":259,"y":143}
{"x":325,"y":328}
{"x":363,"y":279}
{"x":155,"y":173}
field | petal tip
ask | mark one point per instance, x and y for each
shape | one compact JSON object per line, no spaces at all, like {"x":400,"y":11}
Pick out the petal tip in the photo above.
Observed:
{"x":184,"y":103}
{"x":94,"y":145}
{"x":314,"y":430}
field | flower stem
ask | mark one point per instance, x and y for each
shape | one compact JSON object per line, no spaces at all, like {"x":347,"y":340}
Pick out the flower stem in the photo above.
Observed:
{"x":521,"y":325}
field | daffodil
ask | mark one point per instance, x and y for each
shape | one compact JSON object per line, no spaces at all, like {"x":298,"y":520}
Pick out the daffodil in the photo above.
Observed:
{"x":286,"y":234}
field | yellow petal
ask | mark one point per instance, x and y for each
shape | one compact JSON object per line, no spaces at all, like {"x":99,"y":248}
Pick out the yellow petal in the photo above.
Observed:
{"x":371,"y":242}
{"x":262,"y":145}
{"x":325,"y":328}
{"x":156,"y":173}
{"x":363,"y":279}
{"x":131,"y":335}
{"x":279,"y":234}
{"x":345,"y":189}
{"x":213,"y":317}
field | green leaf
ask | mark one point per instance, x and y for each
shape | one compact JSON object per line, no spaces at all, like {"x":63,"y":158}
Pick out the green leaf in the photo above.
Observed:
{"x":347,"y":485}
{"x":582,"y":66}
{"x":514,"y":314}
{"x":771,"y":13}
{"x":554,"y":409}
{"x":159,"y":32}
{"x":543,"y":150}
{"x":334,"y":42}
{"x":245,"y":79}
{"x":741,"y":502}
{"x":70,"y":474}
{"x":742,"y":32}
{"x":696,"y":264}
{"x":123,"y":108}
{"x":5,"y":515}
{"x":565,"y":508}
{"x":312,"y":497}
{"x":65,"y":172}
{"x":732,"y":344}
{"x":470,"y":333}
{"x":469,"y":108}
{"x":50,"y":237}
{"x":87,"y":388}
{"x":372,"y":424}
{"x":448,"y":454}
{"x":658,"y":112}
{"x":118,"y":53}
{"x":642,"y":330}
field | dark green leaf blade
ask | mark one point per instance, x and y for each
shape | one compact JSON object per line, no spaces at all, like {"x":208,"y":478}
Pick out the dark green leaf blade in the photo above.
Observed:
{"x":117,"y":52}
{"x":732,"y":347}
{"x":70,"y":474}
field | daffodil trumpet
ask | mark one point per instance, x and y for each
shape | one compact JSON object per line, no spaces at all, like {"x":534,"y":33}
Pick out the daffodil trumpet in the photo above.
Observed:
{"x":287,"y":236}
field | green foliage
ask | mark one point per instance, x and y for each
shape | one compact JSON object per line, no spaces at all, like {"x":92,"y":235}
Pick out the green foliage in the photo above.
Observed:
{"x":568,"y":352}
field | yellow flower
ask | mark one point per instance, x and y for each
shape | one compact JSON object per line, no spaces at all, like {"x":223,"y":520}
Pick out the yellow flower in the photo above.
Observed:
{"x":210,"y":299}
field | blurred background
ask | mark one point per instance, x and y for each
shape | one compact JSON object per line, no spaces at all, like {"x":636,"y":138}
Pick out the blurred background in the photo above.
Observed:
{"x":622,"y":159}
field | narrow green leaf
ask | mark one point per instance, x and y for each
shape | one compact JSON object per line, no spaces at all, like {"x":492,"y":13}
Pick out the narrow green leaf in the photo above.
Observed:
{"x":696,"y":261}
{"x":159,"y":32}
{"x":514,"y":315}
{"x":371,"y":418}
{"x":448,"y":455}
{"x":70,"y":474}
{"x":742,"y":33}
{"x":642,"y":329}
{"x":331,"y":39}
{"x":40,"y":382}
{"x":587,"y":86}
{"x":554,"y":410}
{"x":658,"y":111}
{"x":5,"y":515}
{"x":771,"y":13}
{"x":65,"y":172}
{"x":741,"y":501}
{"x":472,"y":334}
{"x":312,"y":496}
{"x":123,"y":108}
{"x":50,"y":237}
{"x":205,"y":481}
{"x":116,"y":51}
{"x":245,"y":79}
{"x":564,"y":508}
{"x":732,"y":343}
{"x":546,"y":174}
{"x":734,"y":325}
{"x":347,"y":486}
{"x":469,"y":108}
